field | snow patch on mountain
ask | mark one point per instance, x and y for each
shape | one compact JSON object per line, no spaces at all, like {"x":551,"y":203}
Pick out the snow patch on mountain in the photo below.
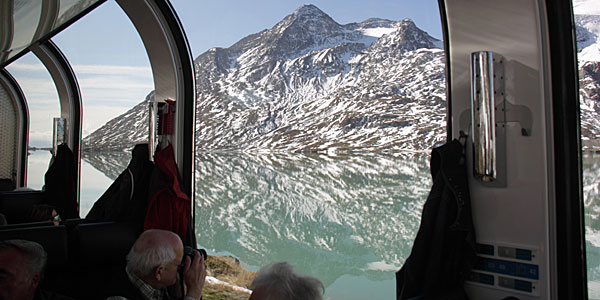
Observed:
{"x":588,"y":37}
{"x":586,"y":7}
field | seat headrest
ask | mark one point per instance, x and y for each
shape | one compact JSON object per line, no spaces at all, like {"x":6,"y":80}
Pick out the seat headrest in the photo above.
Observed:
{"x":16,"y":205}
{"x":52,"y":238}
{"x":105,"y":243}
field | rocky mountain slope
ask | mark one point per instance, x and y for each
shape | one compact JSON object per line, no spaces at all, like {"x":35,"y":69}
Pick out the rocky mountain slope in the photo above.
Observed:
{"x":310,"y":84}
{"x":588,"y":45}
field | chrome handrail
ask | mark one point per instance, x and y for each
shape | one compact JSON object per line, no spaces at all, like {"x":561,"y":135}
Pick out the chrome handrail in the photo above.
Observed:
{"x":152,"y":127}
{"x":483,"y":115}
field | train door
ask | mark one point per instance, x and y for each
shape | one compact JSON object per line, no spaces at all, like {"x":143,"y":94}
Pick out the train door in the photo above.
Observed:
{"x":512,"y":87}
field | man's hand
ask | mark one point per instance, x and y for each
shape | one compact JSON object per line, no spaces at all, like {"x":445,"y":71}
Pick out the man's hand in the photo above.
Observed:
{"x":194,"y":275}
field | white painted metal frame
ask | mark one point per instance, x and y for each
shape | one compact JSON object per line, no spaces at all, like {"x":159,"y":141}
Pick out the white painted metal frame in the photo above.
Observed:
{"x":171,"y":62}
{"x":519,"y":214}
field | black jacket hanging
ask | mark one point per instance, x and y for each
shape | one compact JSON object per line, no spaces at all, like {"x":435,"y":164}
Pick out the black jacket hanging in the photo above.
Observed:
{"x":127,"y":197}
{"x":60,"y":183}
{"x":444,"y":249}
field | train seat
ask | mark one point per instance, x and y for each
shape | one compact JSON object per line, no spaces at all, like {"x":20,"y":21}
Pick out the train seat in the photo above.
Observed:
{"x":52,"y":238}
{"x":16,"y":205}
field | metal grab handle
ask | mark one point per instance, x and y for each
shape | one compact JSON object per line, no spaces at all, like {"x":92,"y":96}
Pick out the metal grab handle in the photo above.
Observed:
{"x":152,"y":119}
{"x":483,"y":115}
{"x":59,"y":134}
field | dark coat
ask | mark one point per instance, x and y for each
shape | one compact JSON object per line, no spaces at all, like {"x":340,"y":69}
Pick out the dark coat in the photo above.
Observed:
{"x":444,"y":249}
{"x":127,"y":197}
{"x":60,"y":183}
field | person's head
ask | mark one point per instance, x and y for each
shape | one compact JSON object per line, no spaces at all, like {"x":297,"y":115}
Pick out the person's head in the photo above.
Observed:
{"x":21,"y":267}
{"x":155,"y":257}
{"x":278,"y":281}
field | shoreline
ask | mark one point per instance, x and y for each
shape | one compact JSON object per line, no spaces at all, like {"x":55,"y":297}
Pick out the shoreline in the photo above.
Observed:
{"x":226,"y":279}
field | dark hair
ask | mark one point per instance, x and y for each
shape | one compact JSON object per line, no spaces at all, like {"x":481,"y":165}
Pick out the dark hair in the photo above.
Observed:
{"x":41,"y":212}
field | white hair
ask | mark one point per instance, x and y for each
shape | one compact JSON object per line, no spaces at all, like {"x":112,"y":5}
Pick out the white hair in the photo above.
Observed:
{"x":145,"y":261}
{"x":33,"y":252}
{"x":282,"y":283}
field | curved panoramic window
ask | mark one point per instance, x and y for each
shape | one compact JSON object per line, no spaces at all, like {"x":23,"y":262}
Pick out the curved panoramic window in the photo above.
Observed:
{"x":23,"y":23}
{"x":114,"y":75}
{"x":43,"y":106}
{"x":314,"y":125}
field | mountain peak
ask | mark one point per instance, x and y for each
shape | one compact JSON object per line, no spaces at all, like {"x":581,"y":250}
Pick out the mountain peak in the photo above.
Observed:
{"x":407,"y":24}
{"x":308,"y":9}
{"x":307,"y":14}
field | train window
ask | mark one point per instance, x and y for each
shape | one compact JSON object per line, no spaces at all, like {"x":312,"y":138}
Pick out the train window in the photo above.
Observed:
{"x":314,"y":125}
{"x":43,"y":105}
{"x":114,"y":75}
{"x":32,"y":21}
{"x":587,"y":21}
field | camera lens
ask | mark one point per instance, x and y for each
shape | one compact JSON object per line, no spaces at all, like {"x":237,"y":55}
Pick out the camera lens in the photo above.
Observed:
{"x":189,"y":251}
{"x":203,"y":253}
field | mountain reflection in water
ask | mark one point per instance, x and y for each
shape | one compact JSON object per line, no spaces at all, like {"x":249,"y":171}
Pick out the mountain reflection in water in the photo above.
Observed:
{"x":591,"y":196}
{"x":330,"y":216}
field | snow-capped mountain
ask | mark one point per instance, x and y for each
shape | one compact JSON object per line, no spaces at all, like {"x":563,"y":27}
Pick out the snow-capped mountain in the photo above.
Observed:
{"x":122,"y":132}
{"x":588,"y":37}
{"x":587,"y":19}
{"x":310,"y":84}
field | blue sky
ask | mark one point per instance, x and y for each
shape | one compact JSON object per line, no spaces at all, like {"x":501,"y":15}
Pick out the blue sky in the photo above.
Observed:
{"x":112,"y":67}
{"x":222,"y":23}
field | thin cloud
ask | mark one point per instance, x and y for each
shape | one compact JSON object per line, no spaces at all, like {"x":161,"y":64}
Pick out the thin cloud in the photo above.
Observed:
{"x":145,"y":72}
{"x":27,"y":67}
{"x":135,"y":71}
{"x":107,"y":91}
{"x":115,"y":83}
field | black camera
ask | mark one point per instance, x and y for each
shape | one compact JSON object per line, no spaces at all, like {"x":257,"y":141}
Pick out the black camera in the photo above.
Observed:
{"x":191,"y":252}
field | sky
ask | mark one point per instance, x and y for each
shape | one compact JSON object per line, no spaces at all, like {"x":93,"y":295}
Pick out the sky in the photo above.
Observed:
{"x":112,"y":67}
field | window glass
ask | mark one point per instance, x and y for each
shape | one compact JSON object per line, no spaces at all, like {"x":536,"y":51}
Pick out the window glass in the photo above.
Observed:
{"x":24,"y":22}
{"x":71,"y":8}
{"x":587,"y":22}
{"x":114,"y":75}
{"x":26,"y":16}
{"x":42,"y":101}
{"x":314,"y":125}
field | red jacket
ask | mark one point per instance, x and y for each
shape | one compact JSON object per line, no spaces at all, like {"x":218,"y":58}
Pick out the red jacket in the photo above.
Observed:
{"x":169,"y":207}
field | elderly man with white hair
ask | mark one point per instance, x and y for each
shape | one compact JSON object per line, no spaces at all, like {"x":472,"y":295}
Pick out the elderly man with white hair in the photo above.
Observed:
{"x":278,"y":281}
{"x":152,"y":270}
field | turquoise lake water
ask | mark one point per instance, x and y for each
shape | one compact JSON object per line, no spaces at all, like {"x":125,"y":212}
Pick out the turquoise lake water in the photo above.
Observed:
{"x":347,"y":220}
